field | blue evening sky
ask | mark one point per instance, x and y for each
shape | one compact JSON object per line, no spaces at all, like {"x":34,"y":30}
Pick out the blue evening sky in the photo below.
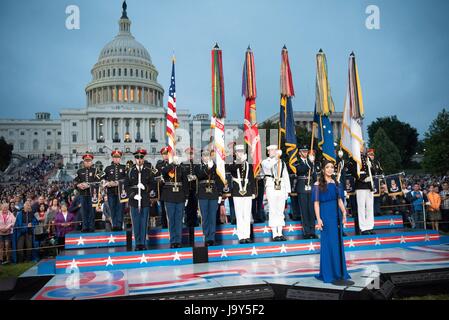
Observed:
{"x":403,"y":66}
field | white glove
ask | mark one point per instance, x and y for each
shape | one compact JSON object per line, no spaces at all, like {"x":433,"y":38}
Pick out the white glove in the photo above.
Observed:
{"x":312,"y":158}
{"x":340,"y":153}
{"x":210,"y":164}
{"x":244,"y":157}
{"x":253,"y":196}
{"x":185,"y":204}
{"x":219,"y":199}
{"x":141,"y":186}
{"x":176,"y":160}
{"x":279,"y":153}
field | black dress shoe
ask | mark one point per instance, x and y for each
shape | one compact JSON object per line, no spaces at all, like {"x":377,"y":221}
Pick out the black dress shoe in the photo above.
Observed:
{"x":178,"y":245}
{"x":306,"y":236}
{"x":172,"y":245}
{"x":372,"y":232}
{"x":365,"y":233}
{"x":277,"y":238}
{"x":283,"y":238}
{"x":249,"y":240}
{"x":242,"y":241}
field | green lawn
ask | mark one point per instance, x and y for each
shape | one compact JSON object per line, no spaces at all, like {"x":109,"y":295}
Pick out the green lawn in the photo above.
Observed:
{"x":14,"y":270}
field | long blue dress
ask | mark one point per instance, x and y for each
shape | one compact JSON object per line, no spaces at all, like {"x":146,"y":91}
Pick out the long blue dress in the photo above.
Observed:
{"x":330,"y":266}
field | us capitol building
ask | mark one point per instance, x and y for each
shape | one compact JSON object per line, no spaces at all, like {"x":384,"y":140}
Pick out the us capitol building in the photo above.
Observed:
{"x":124,"y":110}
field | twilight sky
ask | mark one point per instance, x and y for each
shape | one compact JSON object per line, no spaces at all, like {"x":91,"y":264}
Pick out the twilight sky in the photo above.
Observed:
{"x":403,"y":66}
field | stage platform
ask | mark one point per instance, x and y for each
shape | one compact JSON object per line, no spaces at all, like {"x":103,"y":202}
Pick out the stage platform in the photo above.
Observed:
{"x":277,"y":277}
{"x":107,"y":263}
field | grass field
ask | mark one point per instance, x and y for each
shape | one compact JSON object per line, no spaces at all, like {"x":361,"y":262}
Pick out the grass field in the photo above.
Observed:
{"x":14,"y":270}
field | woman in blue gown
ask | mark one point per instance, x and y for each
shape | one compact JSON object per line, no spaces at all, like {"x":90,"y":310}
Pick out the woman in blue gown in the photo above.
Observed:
{"x":325,"y":196}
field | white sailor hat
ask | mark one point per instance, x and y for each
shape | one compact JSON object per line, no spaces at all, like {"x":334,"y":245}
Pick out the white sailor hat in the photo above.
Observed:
{"x":240,"y":147}
{"x":272,"y":147}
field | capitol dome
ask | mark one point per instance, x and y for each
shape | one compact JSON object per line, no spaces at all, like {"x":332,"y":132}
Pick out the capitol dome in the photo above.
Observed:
{"x":124,"y":73}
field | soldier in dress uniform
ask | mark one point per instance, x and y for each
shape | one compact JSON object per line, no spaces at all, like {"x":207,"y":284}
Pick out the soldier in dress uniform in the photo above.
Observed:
{"x":306,"y":176}
{"x":277,"y":188}
{"x":84,"y":177}
{"x":243,"y":192}
{"x":210,"y":190}
{"x":364,"y":193}
{"x":191,"y":210}
{"x":159,"y":166}
{"x":377,"y":169}
{"x":115,"y":175}
{"x":175,"y":193}
{"x":140,"y":186}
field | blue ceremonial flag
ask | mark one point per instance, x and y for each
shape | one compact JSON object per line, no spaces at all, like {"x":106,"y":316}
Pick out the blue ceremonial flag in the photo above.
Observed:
{"x":325,"y":136}
{"x":287,"y":129}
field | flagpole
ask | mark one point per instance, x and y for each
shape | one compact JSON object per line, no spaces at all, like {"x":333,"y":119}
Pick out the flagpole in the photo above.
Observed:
{"x":310,"y":151}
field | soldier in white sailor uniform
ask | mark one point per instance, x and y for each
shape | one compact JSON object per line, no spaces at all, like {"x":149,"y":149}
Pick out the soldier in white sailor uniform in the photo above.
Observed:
{"x":364,"y":193}
{"x":277,"y":188}
{"x":243,"y":192}
{"x":115,"y":175}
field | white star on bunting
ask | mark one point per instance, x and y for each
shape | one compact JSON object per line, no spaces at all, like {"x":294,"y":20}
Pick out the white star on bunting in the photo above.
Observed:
{"x":427,"y":237}
{"x":234,"y":232}
{"x":311,"y":246}
{"x":254,"y":251}
{"x":351,"y":243}
{"x":176,"y":256}
{"x":80,"y":241}
{"x":223,"y":253}
{"x":266,"y":230}
{"x":143,"y":258}
{"x":392,"y":222}
{"x":402,"y":239}
{"x":283,"y":248}
{"x":111,"y":239}
{"x":109,"y":261}
{"x":73,"y":264}
{"x":377,"y":242}
{"x":291,"y":228}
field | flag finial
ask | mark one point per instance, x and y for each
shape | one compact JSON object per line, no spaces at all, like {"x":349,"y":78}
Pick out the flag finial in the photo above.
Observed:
{"x":352,"y":54}
{"x":249,"y":48}
{"x":216,"y":46}
{"x":284,"y":47}
{"x":321,"y":51}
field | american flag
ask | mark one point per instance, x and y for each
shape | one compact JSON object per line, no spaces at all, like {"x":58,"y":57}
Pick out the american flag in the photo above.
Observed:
{"x":172,"y":119}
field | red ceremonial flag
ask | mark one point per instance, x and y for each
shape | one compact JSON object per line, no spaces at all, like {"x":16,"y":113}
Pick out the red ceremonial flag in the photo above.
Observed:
{"x":252,"y":138}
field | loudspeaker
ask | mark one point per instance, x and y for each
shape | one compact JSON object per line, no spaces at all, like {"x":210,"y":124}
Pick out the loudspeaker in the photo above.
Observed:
{"x":200,"y":255}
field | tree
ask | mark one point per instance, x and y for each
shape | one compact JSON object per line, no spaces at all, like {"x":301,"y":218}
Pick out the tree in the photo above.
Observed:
{"x":386,"y":152}
{"x":403,"y":136}
{"x":5,"y":154}
{"x":436,"y":152}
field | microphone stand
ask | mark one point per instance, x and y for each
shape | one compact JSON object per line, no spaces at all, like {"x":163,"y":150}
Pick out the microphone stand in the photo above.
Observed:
{"x":342,"y":281}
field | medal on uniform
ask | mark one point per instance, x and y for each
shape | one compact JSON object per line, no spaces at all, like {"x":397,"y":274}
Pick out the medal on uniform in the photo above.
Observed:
{"x":208,"y":189}
{"x":175,"y":189}
{"x":307,"y":188}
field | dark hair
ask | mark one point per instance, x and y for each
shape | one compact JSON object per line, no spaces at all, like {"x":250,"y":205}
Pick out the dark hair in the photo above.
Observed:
{"x":322,"y":178}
